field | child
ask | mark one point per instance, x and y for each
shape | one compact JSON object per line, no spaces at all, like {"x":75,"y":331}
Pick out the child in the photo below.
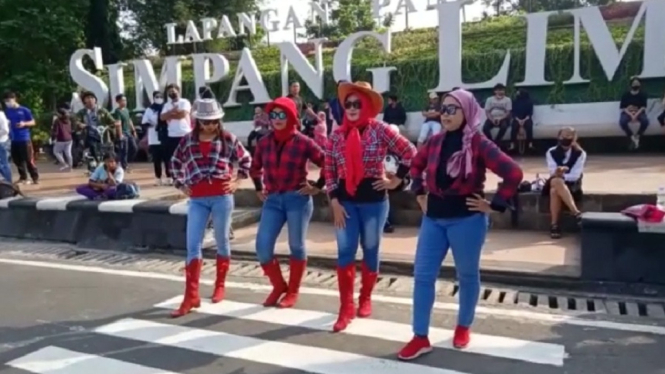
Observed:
{"x":104,"y":180}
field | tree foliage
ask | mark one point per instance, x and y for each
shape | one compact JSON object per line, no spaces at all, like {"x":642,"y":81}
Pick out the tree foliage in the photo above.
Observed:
{"x":501,"y":7}
{"x":347,"y":17}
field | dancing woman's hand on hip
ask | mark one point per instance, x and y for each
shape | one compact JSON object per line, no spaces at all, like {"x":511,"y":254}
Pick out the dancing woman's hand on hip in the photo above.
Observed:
{"x":339,"y":214}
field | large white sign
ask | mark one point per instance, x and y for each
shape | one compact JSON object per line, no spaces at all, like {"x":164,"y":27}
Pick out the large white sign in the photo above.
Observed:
{"x":213,"y":67}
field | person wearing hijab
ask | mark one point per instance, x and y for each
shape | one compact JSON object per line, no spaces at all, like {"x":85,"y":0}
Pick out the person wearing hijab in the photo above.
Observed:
{"x":203,"y":169}
{"x":156,"y":148}
{"x":279,"y":172}
{"x":357,"y":187}
{"x":455,"y":212}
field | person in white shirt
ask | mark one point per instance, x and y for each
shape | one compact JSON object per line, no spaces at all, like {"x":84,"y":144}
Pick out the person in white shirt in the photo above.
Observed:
{"x":156,"y":148}
{"x":5,"y":168}
{"x":176,"y":114}
{"x":565,"y":163}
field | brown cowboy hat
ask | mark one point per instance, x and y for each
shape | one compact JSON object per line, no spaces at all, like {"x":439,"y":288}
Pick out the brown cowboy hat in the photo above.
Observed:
{"x":346,"y":88}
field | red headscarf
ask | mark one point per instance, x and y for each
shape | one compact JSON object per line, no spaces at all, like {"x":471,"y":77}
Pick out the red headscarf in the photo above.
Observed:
{"x":292,"y":121}
{"x":353,"y":155}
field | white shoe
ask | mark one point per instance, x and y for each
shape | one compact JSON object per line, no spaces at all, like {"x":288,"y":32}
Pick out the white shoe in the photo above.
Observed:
{"x":159,"y":182}
{"x":636,"y":141}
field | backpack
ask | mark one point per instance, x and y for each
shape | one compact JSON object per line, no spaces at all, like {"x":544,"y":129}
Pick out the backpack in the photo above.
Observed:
{"x":8,"y":190}
{"x":127,"y":191}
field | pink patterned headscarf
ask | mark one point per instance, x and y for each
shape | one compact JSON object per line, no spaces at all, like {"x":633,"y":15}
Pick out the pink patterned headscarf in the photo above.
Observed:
{"x":463,"y":159}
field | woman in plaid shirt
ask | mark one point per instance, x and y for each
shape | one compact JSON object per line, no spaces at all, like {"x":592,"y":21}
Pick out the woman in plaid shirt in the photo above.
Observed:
{"x":279,"y":172}
{"x":356,"y":184}
{"x":455,"y":212}
{"x":202,"y":168}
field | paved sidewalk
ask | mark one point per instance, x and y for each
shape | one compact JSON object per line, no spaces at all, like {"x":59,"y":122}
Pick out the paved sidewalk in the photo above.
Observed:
{"x":505,"y":251}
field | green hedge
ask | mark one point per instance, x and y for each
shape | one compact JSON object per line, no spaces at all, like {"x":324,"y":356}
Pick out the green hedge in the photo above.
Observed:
{"x":415,"y":56}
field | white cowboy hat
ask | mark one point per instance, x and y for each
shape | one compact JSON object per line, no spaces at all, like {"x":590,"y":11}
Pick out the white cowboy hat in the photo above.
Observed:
{"x":208,"y":109}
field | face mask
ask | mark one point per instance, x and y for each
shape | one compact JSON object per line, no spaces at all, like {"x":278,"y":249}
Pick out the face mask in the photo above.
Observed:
{"x":173,"y":95}
{"x":565,"y":142}
{"x":159,"y":100}
{"x":9,"y":104}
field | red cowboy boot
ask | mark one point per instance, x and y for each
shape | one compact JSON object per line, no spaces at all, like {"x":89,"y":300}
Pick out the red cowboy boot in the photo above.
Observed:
{"x":345,"y":278}
{"x":222,"y":269}
{"x":191,"y":299}
{"x":368,"y":280}
{"x":274,"y":274}
{"x":296,"y":272}
{"x":462,"y":337}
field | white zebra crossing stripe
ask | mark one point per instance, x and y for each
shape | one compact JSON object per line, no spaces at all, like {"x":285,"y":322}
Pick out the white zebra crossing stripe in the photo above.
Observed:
{"x":496,"y":346}
{"x":293,"y":356}
{"x":54,"y":360}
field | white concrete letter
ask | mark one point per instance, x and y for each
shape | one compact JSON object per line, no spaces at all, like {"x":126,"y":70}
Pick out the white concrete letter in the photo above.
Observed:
{"x":292,"y":19}
{"x":248,"y":71}
{"x":170,"y":33}
{"x":536,"y":49}
{"x":407,"y":5}
{"x":377,"y":5}
{"x":320,"y":12}
{"x":312,"y":76}
{"x":146,"y":82}
{"x":202,"y":74}
{"x":208,"y":26}
{"x":450,"y":51}
{"x":225,"y":28}
{"x":344,"y":52}
{"x":117,"y":81}
{"x":85,"y":79}
{"x":246,"y":24}
{"x":265,"y":20}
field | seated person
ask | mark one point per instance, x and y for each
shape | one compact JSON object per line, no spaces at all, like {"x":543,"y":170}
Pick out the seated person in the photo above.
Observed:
{"x":634,"y":109}
{"x":432,"y":114}
{"x":522,"y":118}
{"x":394,"y":112}
{"x":390,"y":165}
{"x":661,"y":117}
{"x":498,"y":110}
{"x":104,"y":180}
{"x":565,"y":163}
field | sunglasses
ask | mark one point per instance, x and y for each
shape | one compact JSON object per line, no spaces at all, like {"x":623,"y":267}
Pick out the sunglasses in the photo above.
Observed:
{"x":352,"y":104}
{"x":278,"y":115}
{"x":450,"y":109}
{"x":209,"y":123}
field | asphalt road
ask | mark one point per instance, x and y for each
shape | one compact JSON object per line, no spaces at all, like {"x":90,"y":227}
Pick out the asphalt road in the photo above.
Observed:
{"x":60,"y":321}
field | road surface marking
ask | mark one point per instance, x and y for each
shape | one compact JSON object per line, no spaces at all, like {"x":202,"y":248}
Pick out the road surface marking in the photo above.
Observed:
{"x":481,"y":310}
{"x":54,"y":360}
{"x":4,"y":203}
{"x":287,"y":355}
{"x":57,"y":203}
{"x":497,"y":346}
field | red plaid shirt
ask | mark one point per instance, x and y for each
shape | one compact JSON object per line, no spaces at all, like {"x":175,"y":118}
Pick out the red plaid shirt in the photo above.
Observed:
{"x":188,"y":166}
{"x":486,"y":155}
{"x":284,"y":170}
{"x":376,"y":141}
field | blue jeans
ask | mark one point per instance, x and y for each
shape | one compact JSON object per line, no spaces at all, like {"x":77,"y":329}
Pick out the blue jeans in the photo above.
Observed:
{"x":292,"y":209}
{"x":624,"y":120}
{"x":364,"y":226}
{"x":127,"y":149}
{"x":465,"y":236}
{"x":5,"y":168}
{"x":199,"y":211}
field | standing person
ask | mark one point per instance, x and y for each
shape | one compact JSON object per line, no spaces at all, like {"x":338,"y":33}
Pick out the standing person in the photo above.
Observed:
{"x":294,"y":94}
{"x":104,"y":181}
{"x":61,"y":134}
{"x":522,"y":118}
{"x":5,"y":168}
{"x":356,"y":184}
{"x":498,"y":110}
{"x":92,"y":118}
{"x":261,"y":127}
{"x":279,"y":172}
{"x":125,"y":133}
{"x":176,"y":115}
{"x":336,"y":109}
{"x":156,"y":148}
{"x":634,"y":109}
{"x":21,"y":120}
{"x":202,"y":168}
{"x":455,"y":212}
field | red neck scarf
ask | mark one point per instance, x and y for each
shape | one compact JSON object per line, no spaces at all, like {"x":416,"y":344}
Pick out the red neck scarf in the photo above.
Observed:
{"x":283,"y":135}
{"x":353,"y":155}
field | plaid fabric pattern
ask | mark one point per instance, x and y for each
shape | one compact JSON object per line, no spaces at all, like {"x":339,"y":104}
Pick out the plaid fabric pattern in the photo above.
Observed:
{"x":188,"y":166}
{"x":286,"y":170}
{"x":486,"y":155}
{"x":376,"y":140}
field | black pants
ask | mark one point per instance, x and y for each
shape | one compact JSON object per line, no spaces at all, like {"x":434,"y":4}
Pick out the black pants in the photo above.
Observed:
{"x":528,"y":129}
{"x":158,"y":154}
{"x":170,"y":145}
{"x":503,"y":129}
{"x":661,"y":118}
{"x":23,"y":159}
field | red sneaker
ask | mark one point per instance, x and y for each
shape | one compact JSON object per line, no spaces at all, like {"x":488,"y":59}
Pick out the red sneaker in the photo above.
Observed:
{"x":417,"y":347}
{"x":462,"y":337}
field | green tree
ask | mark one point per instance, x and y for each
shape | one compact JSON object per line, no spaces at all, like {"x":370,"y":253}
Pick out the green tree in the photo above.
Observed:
{"x":347,"y":17}
{"x":500,"y":7}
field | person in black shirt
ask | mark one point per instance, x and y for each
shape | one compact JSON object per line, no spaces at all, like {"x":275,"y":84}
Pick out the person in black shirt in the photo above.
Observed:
{"x":394,"y":113}
{"x":522,"y":118}
{"x":633,"y":109}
